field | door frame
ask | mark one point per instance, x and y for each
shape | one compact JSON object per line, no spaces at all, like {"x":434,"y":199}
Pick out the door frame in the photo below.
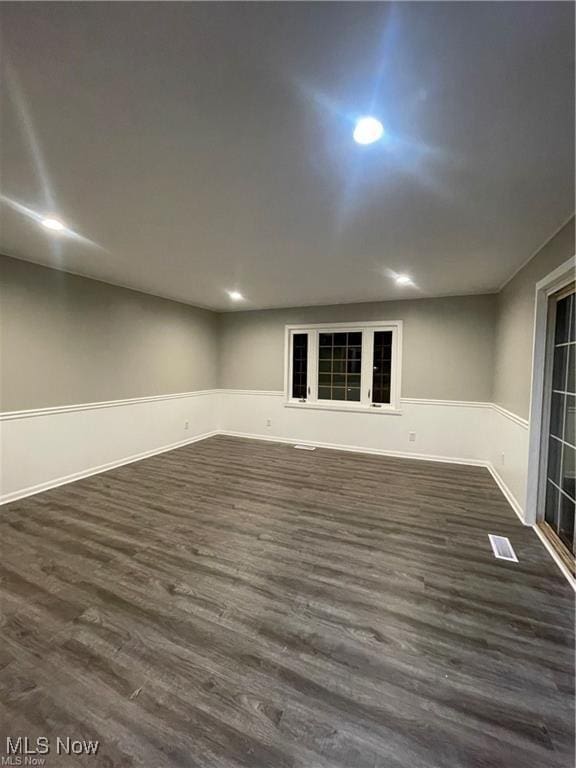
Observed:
{"x":553,"y":282}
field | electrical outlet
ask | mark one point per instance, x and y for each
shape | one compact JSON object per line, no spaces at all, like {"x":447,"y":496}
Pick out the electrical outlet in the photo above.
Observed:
{"x":268,"y":422}
{"x":412,"y":437}
{"x":186,"y":424}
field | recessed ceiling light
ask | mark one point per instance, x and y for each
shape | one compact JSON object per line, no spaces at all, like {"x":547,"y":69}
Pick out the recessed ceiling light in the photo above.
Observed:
{"x":368,"y":130}
{"x":235,"y":295}
{"x":54,"y":224}
{"x":403,"y":280}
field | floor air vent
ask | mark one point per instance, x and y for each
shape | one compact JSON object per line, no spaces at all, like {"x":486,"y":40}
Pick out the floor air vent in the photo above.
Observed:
{"x":502,"y":548}
{"x":305,"y":447}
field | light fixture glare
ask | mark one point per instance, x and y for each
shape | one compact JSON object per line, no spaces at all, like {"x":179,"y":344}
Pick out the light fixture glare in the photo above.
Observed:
{"x":235,"y":295}
{"x":368,"y":130}
{"x":53,"y":224}
{"x":403,"y":280}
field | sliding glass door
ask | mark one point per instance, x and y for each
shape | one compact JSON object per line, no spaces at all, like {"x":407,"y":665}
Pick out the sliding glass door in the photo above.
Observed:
{"x":558,"y":496}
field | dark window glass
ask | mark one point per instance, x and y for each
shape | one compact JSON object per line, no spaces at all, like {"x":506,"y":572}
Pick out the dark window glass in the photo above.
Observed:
{"x":563,"y":312}
{"x":560,"y":473}
{"x":557,"y":414}
{"x":554,"y":456}
{"x":568,"y":479}
{"x":559,"y":369}
{"x":340,"y":355}
{"x":570,"y":420}
{"x":570,"y":383}
{"x":566,"y":524}
{"x":299,"y":365}
{"x":382,"y":367}
{"x":551,"y":510}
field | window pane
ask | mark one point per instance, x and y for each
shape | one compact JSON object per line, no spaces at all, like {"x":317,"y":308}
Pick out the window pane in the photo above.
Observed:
{"x":339,"y":366}
{"x":554,"y":453}
{"x":354,"y":366}
{"x":570,"y":420}
{"x":563,"y":320}
{"x":566,"y":525}
{"x":557,"y":414}
{"x":354,"y":353}
{"x":567,"y":483}
{"x":551,"y":509}
{"x":339,"y":354}
{"x":382,"y":367}
{"x":299,"y":365}
{"x":559,"y":371}
{"x":571,"y":385}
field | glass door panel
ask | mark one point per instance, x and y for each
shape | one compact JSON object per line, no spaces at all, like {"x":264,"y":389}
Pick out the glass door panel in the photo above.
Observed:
{"x":560,"y":492}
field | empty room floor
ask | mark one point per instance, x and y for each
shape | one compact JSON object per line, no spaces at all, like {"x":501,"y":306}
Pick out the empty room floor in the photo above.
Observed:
{"x":242,"y":603}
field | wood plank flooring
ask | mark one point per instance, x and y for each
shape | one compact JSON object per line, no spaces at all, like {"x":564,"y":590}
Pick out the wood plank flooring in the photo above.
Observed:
{"x":240,"y":603}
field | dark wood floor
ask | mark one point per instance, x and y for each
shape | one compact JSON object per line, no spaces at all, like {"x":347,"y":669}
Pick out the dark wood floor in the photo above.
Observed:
{"x":239,"y":603}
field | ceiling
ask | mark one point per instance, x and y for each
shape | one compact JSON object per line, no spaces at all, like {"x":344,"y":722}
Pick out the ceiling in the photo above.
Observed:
{"x":195,"y":148}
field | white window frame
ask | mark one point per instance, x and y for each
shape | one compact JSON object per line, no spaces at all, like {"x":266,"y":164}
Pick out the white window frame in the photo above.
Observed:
{"x":365,"y":404}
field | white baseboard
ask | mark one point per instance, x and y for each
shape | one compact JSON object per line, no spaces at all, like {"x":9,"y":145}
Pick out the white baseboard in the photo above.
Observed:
{"x":32,"y":490}
{"x":357,"y":449}
{"x":552,"y":552}
{"x":510,"y":498}
{"x":49,"y":447}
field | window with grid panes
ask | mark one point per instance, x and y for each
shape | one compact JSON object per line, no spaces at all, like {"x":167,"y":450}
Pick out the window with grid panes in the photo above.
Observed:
{"x":355,"y":366}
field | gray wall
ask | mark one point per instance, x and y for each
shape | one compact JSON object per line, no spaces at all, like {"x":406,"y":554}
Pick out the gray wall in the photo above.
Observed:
{"x":447,"y":349}
{"x":515,"y":324}
{"x":67,"y":339}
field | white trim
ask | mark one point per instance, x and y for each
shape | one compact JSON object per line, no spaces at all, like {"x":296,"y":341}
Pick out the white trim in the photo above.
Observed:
{"x":53,"y":410}
{"x":327,"y":327}
{"x":34,"y":489}
{"x":459,"y":403}
{"x":368,"y":329}
{"x":512,"y":416}
{"x":555,"y":280}
{"x":357,"y":449}
{"x":557,"y":559}
{"x":266,"y":393}
{"x":341,"y":406}
{"x":32,"y":412}
{"x":507,"y":493}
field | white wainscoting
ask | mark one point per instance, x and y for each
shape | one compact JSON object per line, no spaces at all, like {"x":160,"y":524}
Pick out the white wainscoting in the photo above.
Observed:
{"x":41,"y":449}
{"x":507,"y":454}
{"x":444,"y":430}
{"x":48,"y":447}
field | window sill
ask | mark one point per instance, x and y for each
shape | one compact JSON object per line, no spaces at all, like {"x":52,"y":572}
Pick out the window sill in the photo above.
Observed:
{"x":384,"y":411}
